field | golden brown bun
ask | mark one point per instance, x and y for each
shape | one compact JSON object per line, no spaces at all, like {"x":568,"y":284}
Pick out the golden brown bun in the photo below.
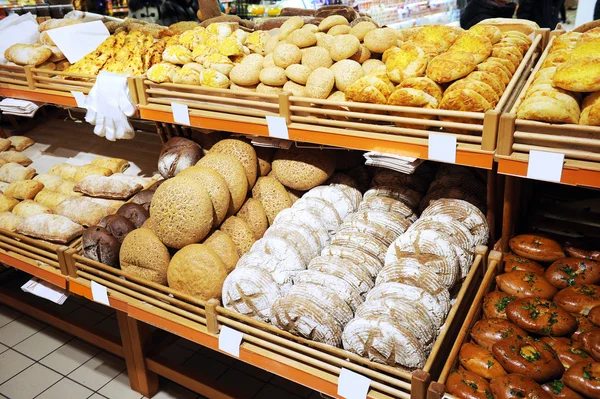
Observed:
{"x":590,"y":115}
{"x":510,"y":54}
{"x":566,"y":41}
{"x":569,"y":102}
{"x":512,"y":24}
{"x":517,"y":34}
{"x":490,"y":31}
{"x":423,"y":83}
{"x":580,"y":75}
{"x":412,"y":98}
{"x":451,"y":66}
{"x":480,"y":87}
{"x":488,"y":78}
{"x":409,"y":61}
{"x":477,"y":45}
{"x":556,"y":58}
{"x":507,"y":63}
{"x":440,"y":36}
{"x":369,"y":89}
{"x":497,"y":69}
{"x":545,"y":110}
{"x":463,"y":100}
{"x":521,"y":44}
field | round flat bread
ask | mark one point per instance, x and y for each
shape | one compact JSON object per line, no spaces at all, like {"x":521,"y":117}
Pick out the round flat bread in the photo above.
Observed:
{"x":358,"y":257}
{"x":388,"y":205}
{"x":389,"y":177}
{"x":464,"y":212}
{"x":305,"y":241}
{"x":361,"y":241}
{"x":335,"y":196}
{"x":345,"y":269}
{"x":343,"y":289}
{"x":323,"y":209}
{"x":325,"y":298}
{"x":387,"y":220}
{"x":250,"y":291}
{"x":459,"y":232}
{"x":307,"y":218}
{"x":408,"y":196}
{"x":281,"y":270}
{"x":375,"y":230}
{"x":351,"y":192}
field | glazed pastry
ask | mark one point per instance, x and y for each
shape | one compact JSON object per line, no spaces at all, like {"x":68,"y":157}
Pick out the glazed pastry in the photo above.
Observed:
{"x":528,"y":357}
{"x":541,"y":316}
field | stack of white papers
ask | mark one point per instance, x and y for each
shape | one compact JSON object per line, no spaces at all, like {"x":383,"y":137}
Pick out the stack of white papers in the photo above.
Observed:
{"x":271,"y":142}
{"x":45,"y":290}
{"x":398,"y":163}
{"x":18,"y":107}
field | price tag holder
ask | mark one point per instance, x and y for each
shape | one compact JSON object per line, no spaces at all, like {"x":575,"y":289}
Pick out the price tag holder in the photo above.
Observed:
{"x":278,"y":127}
{"x":352,"y":385}
{"x":79,"y":98}
{"x":230,"y":341}
{"x":547,"y":166}
{"x":181,"y":114}
{"x":100,"y":293}
{"x":442,"y":147}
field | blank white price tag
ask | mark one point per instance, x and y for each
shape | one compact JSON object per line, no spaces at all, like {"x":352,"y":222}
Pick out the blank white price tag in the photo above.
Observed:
{"x":181,"y":114}
{"x":99,"y":293}
{"x":230,"y":341}
{"x":442,"y":147}
{"x":546,"y":166}
{"x":278,"y":127}
{"x":352,"y":385}
{"x":79,"y":98}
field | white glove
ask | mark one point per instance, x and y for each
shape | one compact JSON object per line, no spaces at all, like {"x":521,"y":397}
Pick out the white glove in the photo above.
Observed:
{"x":108,"y":106}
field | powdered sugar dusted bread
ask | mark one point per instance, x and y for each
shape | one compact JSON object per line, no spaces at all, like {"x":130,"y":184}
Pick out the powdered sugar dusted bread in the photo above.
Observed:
{"x":322,"y":209}
{"x":55,"y":228}
{"x":11,"y":172}
{"x":320,"y":281}
{"x":464,"y":212}
{"x":82,"y":210}
{"x":342,"y":203}
{"x":108,"y":187}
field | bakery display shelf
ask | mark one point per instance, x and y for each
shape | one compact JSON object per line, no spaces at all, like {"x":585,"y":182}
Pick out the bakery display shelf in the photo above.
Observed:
{"x":495,"y":266}
{"x":306,"y":362}
{"x":579,"y":143}
{"x":45,"y":86}
{"x":361,"y":126}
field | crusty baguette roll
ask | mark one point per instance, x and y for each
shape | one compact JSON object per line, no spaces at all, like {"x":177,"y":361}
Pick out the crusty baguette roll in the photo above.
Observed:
{"x":56,"y":23}
{"x":27,"y":54}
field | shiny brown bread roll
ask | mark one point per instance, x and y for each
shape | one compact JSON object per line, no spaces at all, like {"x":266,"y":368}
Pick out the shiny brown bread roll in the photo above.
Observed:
{"x":136,"y":213}
{"x":118,"y":226}
{"x":144,"y":198}
{"x":177,"y":154}
{"x":99,"y":245}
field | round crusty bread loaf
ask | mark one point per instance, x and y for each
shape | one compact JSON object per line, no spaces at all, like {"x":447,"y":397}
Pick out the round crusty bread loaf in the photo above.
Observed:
{"x":272,"y":196}
{"x":254,"y":214}
{"x":198,"y":271}
{"x":233,"y":172}
{"x":216,"y":187}
{"x":240,"y":232}
{"x":143,"y":255}
{"x":177,"y":154}
{"x":182,"y":212}
{"x":244,"y":153}
{"x":301,"y":168}
{"x":223,"y":246}
{"x":99,"y":245}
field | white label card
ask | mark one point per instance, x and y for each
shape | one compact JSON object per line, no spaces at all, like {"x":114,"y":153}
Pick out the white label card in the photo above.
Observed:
{"x":100,"y":293}
{"x":230,"y":341}
{"x":352,"y":385}
{"x":546,"y":166}
{"x":278,"y":127}
{"x":442,"y":147}
{"x":79,"y":98}
{"x":181,"y":114}
{"x":77,"y":41}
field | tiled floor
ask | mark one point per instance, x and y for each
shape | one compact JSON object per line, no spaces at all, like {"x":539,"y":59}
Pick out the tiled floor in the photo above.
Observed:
{"x":38,"y":361}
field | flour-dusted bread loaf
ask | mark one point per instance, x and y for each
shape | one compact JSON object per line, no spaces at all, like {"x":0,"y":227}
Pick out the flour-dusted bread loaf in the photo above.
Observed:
{"x":412,"y":273}
{"x":9,"y":221}
{"x":55,"y":228}
{"x":426,"y":242}
{"x":250,"y":291}
{"x":460,"y":234}
{"x":11,"y":172}
{"x":49,"y":198}
{"x":7,"y":203}
{"x":28,"y":208}
{"x":27,"y":54}
{"x":410,"y":293}
{"x":375,"y":230}
{"x":117,"y":165}
{"x":299,"y":235}
{"x":370,"y":263}
{"x":307,"y":219}
{"x":107,"y":187}
{"x":50,"y":182}
{"x":389,"y":221}
{"x":24,"y":189}
{"x":408,"y":196}
{"x":386,"y":204}
{"x":323,"y":209}
{"x":361,"y":241}
{"x":16,"y":157}
{"x":411,"y":315}
{"x":381,"y":340}
{"x":21,"y":143}
{"x":342,"y":203}
{"x":320,"y":281}
{"x":82,"y":210}
{"x":56,"y":23}
{"x":99,"y":245}
{"x":325,"y":298}
{"x":306,"y":319}
{"x":354,"y":274}
{"x":464,"y":212}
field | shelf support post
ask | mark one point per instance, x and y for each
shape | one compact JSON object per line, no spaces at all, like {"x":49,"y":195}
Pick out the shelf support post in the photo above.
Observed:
{"x":419,"y":383}
{"x":284,"y":107}
{"x":212,"y":324}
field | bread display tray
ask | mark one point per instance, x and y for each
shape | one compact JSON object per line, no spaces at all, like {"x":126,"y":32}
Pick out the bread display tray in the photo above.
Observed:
{"x":339,"y":123}
{"x":200,"y":321}
{"x":39,"y":258}
{"x":494,"y":267}
{"x":579,"y":143}
{"x":43,"y":85}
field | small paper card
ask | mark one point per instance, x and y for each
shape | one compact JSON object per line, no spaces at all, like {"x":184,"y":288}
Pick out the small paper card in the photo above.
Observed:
{"x":278,"y":127}
{"x":230,"y":341}
{"x":77,"y":41}
{"x":352,"y":385}
{"x":79,"y":98}
{"x":442,"y":147}
{"x":181,"y":114}
{"x":546,"y":166}
{"x":100,"y":293}
{"x":45,"y":290}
